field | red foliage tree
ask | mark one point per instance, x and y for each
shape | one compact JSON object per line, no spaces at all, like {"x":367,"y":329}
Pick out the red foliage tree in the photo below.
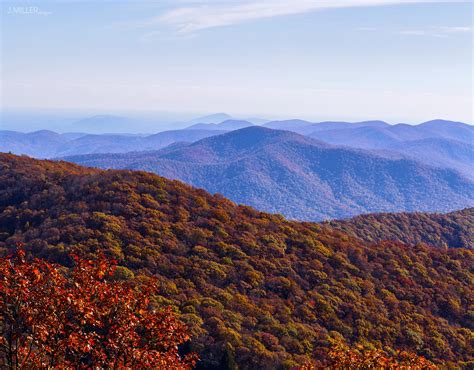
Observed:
{"x":81,"y":318}
{"x":349,"y":358}
{"x":359,"y":358}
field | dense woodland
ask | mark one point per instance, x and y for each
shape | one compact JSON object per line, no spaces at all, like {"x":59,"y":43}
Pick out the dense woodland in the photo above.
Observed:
{"x":452,"y":230}
{"x":255,"y":290}
{"x":91,"y":316}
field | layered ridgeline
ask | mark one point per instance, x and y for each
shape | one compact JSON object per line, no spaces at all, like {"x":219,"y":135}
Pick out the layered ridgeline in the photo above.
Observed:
{"x":299,"y":177}
{"x":452,"y":230}
{"x":256,"y":290}
{"x":436,"y":143}
{"x":49,"y":144}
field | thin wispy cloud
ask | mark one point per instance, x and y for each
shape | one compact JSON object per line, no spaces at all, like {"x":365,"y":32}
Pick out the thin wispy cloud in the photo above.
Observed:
{"x":194,"y":16}
{"x":462,"y":29}
{"x":437,"y":31}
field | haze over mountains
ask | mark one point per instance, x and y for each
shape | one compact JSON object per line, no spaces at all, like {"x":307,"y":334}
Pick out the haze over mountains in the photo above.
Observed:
{"x":307,"y":128}
{"x":49,"y":144}
{"x":299,"y":177}
{"x":227,"y":125}
{"x":80,"y":121}
{"x":337,"y":169}
{"x":436,"y":143}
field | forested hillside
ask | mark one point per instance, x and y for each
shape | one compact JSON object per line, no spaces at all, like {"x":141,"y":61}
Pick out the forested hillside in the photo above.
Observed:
{"x":452,"y":230}
{"x":301,"y":178}
{"x":255,"y":290}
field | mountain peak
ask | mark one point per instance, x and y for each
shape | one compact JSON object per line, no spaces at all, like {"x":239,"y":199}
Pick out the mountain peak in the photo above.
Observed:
{"x":440,"y":122}
{"x":44,"y":132}
{"x":211,"y":118}
{"x":255,"y":135}
{"x":101,"y":117}
{"x":227,"y":125}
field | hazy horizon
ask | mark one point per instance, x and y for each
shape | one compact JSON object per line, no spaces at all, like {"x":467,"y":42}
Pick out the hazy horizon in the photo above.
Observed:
{"x":146,"y":122}
{"x":400,"y":61}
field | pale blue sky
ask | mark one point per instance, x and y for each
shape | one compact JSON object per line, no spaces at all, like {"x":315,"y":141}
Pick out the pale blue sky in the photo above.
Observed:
{"x":403,"y":60}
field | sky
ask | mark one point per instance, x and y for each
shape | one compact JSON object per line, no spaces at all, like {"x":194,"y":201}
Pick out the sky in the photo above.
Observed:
{"x":400,"y":61}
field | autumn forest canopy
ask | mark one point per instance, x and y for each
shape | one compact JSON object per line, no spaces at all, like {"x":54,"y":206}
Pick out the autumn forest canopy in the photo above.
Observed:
{"x":99,"y":256}
{"x":236,"y":185}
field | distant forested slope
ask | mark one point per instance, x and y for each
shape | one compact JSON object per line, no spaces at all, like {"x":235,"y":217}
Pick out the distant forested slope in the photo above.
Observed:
{"x":452,"y":230}
{"x":299,"y":177}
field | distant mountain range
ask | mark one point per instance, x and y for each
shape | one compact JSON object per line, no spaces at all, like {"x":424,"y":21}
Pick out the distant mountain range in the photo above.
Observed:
{"x":375,"y":167}
{"x":114,"y":124}
{"x":212,"y":118}
{"x":48,"y":144}
{"x":221,"y":117}
{"x":307,"y":128}
{"x":227,"y":125}
{"x":437,"y":143}
{"x":300,"y":177}
{"x":104,"y":123}
{"x":449,"y":146}
{"x":381,"y":135}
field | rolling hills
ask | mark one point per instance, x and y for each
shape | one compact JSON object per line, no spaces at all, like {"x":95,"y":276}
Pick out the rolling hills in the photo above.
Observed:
{"x":256,"y":290}
{"x":434,"y":151}
{"x":439,"y":143}
{"x":299,"y":177}
{"x":308,"y":128}
{"x":378,"y":136}
{"x":39,"y":144}
{"x":49,"y":144}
